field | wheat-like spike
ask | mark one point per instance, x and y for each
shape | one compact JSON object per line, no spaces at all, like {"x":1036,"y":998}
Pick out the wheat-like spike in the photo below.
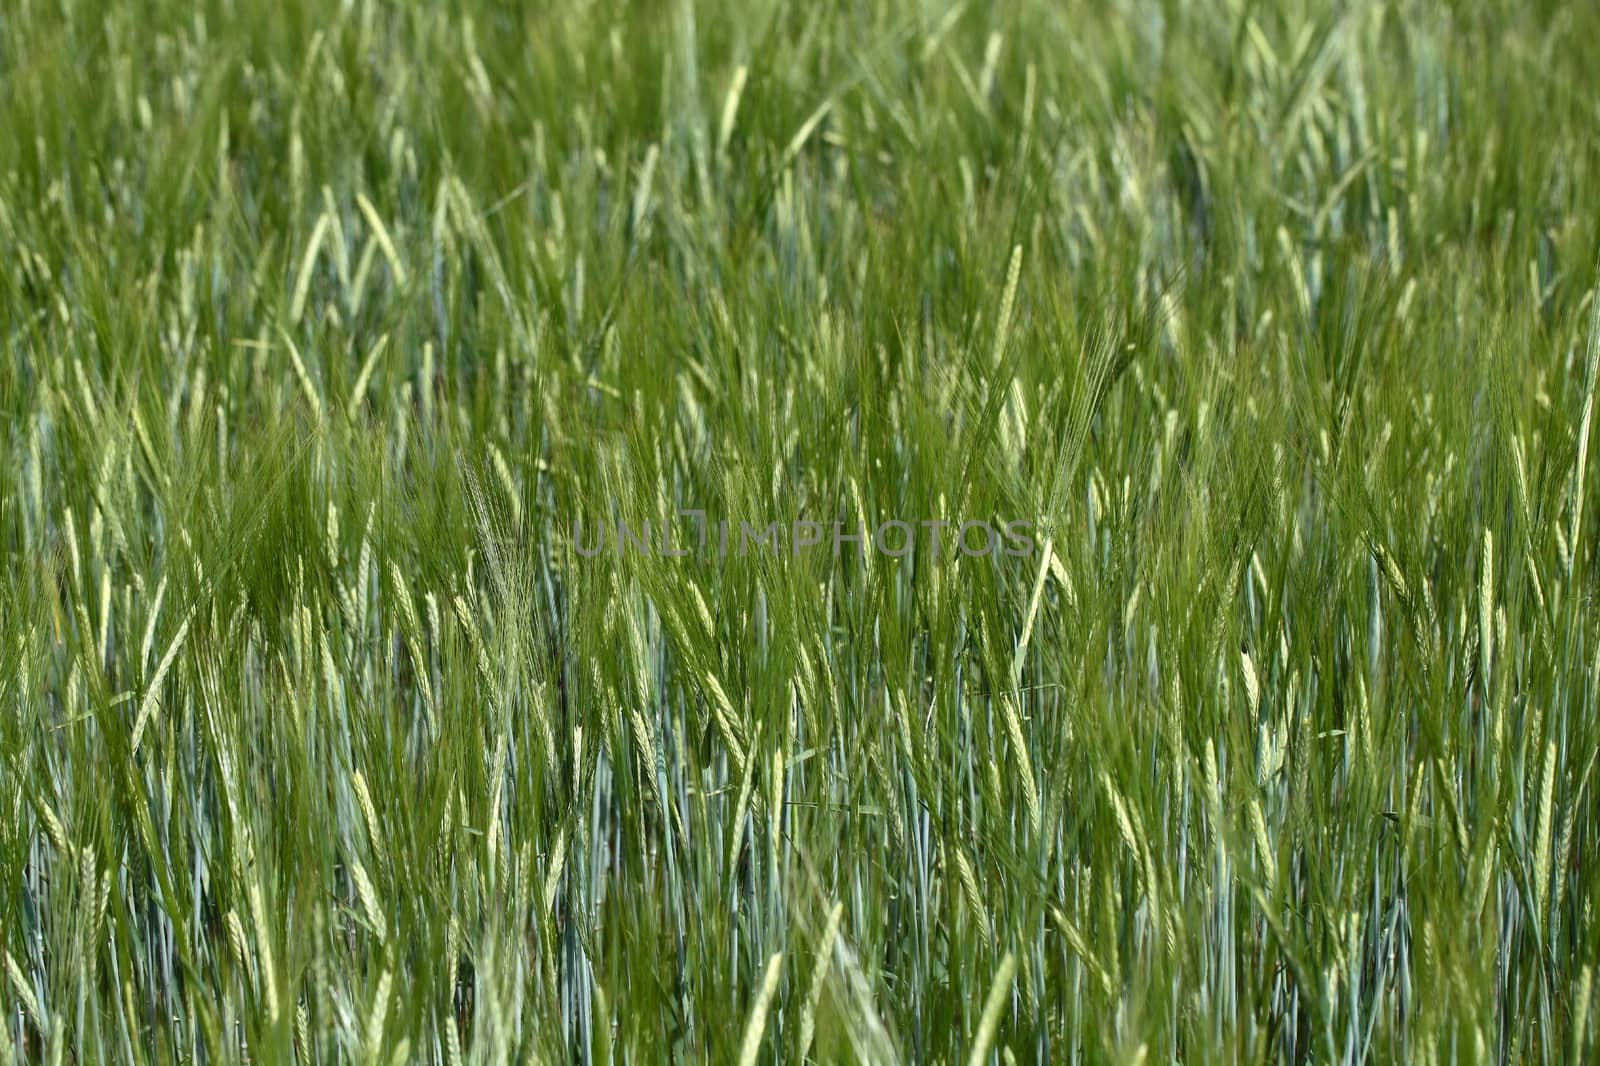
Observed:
{"x":1030,"y":788}
{"x":302,"y":281}
{"x":640,"y":659}
{"x":1363,"y":716}
{"x":369,"y":901}
{"x":1008,"y":302}
{"x":331,"y":680}
{"x":1486,"y":610}
{"x":492,"y":814}
{"x":268,"y":970}
{"x":1564,"y":858}
{"x":103,"y":645}
{"x":969,"y":885}
{"x":307,"y":386}
{"x":1080,"y":948}
{"x":747,"y":780}
{"x":819,"y":975}
{"x":358,"y":392}
{"x":730,"y":107}
{"x":363,"y":586}
{"x":641,"y":193}
{"x":1252,"y":685}
{"x":369,"y":814}
{"x":491,"y":683}
{"x":1541,"y":848}
{"x":74,"y":556}
{"x":1296,"y":269}
{"x":331,"y":532}
{"x":237,"y":941}
{"x":1481,"y":874}
{"x":1519,"y":467}
{"x":452,"y":946}
{"x":1258,"y":828}
{"x":647,"y":755}
{"x":776,"y":810}
{"x":756,"y":1027}
{"x":708,"y":627}
{"x":798,"y":142}
{"x":1213,"y":790}
{"x":906,"y":729}
{"x":412,"y":627}
{"x":152,"y":691}
{"x":402,"y":595}
{"x":92,"y":408}
{"x":88,"y":888}
{"x":727,"y":724}
{"x":1046,"y":557}
{"x":558,"y":860}
{"x":452,"y":1040}
{"x":1391,"y":572}
{"x":993,"y":1005}
{"x":508,"y":484}
{"x":53,"y":829}
{"x":24,"y":991}
{"x":1125,"y":826}
{"x":385,"y":243}
{"x":379,"y":1017}
{"x":469,"y":624}
{"x":1579,"y":1011}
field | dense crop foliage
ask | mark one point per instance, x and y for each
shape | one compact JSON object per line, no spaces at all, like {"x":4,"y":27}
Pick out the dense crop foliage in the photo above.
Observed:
{"x":325,"y":737}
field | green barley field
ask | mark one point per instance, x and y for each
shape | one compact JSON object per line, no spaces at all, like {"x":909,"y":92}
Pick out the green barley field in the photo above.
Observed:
{"x":751,"y":531}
